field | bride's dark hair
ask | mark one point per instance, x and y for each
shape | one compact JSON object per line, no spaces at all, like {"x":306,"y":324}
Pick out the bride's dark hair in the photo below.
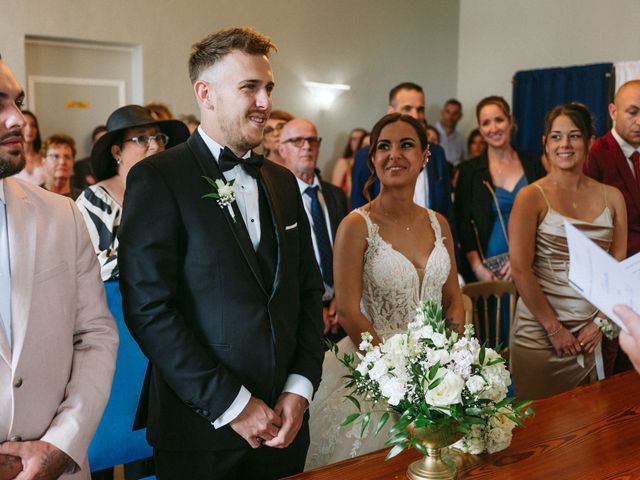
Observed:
{"x":420,"y":129}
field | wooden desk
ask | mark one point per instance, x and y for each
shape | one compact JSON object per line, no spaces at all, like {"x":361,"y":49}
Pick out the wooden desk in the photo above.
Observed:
{"x":590,"y":432}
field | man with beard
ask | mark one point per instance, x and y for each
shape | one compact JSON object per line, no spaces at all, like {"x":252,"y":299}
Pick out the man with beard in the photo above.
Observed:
{"x":219,"y":282}
{"x":58,"y":341}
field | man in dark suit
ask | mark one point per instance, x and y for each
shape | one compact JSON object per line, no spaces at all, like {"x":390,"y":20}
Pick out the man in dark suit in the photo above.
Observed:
{"x":325,"y":204}
{"x":223,"y":295}
{"x":614,"y":159}
{"x":433,"y":188}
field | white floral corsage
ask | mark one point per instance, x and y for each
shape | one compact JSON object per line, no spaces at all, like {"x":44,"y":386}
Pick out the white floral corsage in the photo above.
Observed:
{"x":224,"y":193}
{"x":609,"y":329}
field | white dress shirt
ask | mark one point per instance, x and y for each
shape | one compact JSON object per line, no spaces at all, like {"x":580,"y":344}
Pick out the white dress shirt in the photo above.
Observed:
{"x":247,"y":198}
{"x":5,"y":270}
{"x":454,"y":145}
{"x":421,"y":194}
{"x":627,"y":149}
{"x":306,"y":200}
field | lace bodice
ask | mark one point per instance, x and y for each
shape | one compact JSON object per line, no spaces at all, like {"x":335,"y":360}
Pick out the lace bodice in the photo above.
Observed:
{"x":392,"y":288}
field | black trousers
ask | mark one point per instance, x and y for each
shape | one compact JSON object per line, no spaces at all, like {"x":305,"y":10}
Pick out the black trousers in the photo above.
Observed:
{"x":263,"y":463}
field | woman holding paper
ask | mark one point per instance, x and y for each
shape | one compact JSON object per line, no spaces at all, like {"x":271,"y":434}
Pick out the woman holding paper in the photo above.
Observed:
{"x":556,"y":333}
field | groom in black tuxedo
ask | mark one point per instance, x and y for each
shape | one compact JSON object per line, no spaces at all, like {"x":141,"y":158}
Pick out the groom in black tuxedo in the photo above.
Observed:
{"x":225,"y":298}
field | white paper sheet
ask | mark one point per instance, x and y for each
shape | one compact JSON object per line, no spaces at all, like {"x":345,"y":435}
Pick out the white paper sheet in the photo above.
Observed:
{"x":599,"y":277}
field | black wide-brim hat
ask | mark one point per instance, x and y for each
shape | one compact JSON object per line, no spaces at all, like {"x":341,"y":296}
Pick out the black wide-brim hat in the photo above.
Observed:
{"x":130,"y":116}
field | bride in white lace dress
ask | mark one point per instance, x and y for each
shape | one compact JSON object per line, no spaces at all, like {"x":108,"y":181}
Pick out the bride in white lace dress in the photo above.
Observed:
{"x":388,"y":257}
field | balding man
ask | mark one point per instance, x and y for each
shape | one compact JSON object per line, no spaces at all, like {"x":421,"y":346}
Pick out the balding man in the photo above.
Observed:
{"x":614,"y":159}
{"x":326,"y":206}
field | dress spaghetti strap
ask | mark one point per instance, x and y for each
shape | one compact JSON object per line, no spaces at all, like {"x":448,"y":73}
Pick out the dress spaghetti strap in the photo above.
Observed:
{"x":546,"y":200}
{"x":435,"y":224}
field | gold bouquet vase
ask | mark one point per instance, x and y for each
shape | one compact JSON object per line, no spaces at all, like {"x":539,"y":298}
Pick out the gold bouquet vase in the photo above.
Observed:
{"x":436,"y":439}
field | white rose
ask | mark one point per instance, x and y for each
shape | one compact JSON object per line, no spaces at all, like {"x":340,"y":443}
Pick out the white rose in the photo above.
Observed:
{"x":439,"y":339}
{"x":475,"y":384}
{"x":392,"y":389}
{"x":435,"y":356}
{"x":472,"y":442}
{"x":379,"y":369}
{"x":448,"y":392}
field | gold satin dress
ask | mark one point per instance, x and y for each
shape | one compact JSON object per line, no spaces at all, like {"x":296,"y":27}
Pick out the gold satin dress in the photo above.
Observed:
{"x":537,"y":372}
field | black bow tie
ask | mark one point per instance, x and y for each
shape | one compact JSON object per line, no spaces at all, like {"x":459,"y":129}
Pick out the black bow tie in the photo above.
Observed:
{"x":251,"y":165}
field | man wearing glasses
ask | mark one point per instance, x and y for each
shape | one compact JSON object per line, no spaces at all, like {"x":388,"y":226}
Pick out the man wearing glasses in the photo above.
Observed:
{"x":325,"y":204}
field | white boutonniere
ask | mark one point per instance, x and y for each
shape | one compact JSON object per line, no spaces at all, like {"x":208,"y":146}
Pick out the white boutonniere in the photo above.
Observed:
{"x":607,"y":328}
{"x":224,"y":193}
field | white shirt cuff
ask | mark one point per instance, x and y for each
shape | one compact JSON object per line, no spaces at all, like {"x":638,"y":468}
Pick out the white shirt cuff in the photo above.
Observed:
{"x":235,"y":409}
{"x":299,"y":385}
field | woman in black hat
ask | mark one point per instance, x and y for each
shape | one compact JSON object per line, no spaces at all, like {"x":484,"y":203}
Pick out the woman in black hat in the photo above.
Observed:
{"x":132,"y":134}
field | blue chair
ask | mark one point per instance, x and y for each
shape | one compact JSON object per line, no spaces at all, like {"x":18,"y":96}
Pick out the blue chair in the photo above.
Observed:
{"x":114,"y":442}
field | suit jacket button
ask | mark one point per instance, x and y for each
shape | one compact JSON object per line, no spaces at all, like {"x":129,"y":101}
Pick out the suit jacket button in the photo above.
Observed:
{"x":18,"y":382}
{"x":205,"y":413}
{"x":15,"y":438}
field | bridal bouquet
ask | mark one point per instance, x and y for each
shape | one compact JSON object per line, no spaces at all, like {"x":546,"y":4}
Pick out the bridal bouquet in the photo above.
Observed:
{"x":432,"y":377}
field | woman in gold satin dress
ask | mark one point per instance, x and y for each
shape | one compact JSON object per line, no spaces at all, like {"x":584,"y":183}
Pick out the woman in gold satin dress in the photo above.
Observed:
{"x":554,"y":340}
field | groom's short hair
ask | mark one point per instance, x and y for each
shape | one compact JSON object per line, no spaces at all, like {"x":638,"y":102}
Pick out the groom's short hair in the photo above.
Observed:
{"x":216,"y":45}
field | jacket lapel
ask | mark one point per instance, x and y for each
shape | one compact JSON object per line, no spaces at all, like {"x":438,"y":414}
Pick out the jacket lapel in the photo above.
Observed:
{"x":21,"y":226}
{"x":330,"y":202}
{"x":278,"y":223}
{"x":210,"y":168}
{"x":622,"y":165}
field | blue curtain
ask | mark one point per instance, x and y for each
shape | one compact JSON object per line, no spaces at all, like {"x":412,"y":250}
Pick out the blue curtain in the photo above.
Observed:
{"x":535,"y":92}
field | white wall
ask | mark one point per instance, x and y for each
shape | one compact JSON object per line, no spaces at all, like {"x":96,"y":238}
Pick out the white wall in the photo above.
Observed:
{"x":370,"y":44}
{"x":499,"y":37}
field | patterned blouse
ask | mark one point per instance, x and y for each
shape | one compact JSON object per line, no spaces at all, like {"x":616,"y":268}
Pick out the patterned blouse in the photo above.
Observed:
{"x":102,"y":215}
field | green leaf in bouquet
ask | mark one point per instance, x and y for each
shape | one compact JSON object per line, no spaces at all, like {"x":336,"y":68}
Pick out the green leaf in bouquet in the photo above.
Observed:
{"x":215,"y":196}
{"x":433,"y":371}
{"x":475,"y":420}
{"x":212,"y":182}
{"x":522,"y":405}
{"x":365,"y":422}
{"x":481,"y":355}
{"x":435,"y":383}
{"x":396,"y":450}
{"x":514,"y":419}
{"x":397,"y":438}
{"x":351,"y":418}
{"x":495,"y":361}
{"x":420,"y":422}
{"x":354,"y":400}
{"x":418,"y":446}
{"x":461,"y":428}
{"x":502,"y":403}
{"x":474,"y":411}
{"x":382,"y":422}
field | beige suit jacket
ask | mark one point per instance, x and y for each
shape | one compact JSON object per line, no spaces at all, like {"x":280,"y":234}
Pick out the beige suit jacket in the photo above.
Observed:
{"x":55,"y":379}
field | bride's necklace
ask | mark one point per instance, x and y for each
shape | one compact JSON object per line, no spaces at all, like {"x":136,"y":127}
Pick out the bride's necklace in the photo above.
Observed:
{"x":574,"y":204}
{"x":394,"y":218}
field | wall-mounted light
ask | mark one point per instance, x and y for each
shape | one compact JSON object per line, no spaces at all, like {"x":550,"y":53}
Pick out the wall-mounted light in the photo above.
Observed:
{"x":325,"y":93}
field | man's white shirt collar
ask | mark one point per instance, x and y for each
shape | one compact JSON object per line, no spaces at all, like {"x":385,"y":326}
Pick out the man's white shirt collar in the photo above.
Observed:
{"x":2,"y":190}
{"x":304,"y":185}
{"x":627,"y":149}
{"x":214,"y":146}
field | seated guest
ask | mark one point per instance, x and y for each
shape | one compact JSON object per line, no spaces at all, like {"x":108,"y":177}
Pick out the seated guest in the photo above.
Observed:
{"x":59,"y":152}
{"x":476,"y":145}
{"x":82,"y":172}
{"x":341,"y":175}
{"x":325,"y":204}
{"x":486,"y":188}
{"x":33,"y":171}
{"x":554,"y":338}
{"x":132,"y":134}
{"x":271,"y":135}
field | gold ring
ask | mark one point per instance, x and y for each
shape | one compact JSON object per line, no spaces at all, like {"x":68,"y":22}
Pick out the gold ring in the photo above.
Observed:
{"x":581,"y":344}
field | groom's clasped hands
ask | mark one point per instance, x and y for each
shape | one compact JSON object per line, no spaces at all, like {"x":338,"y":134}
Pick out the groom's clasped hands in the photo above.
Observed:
{"x":258,"y":424}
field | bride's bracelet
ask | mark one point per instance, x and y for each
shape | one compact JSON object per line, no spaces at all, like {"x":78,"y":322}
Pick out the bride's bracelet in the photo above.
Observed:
{"x":551,"y":334}
{"x":608,"y":329}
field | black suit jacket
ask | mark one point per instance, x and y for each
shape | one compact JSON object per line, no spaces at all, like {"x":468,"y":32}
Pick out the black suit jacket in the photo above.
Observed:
{"x":195,"y":301}
{"x":473,"y":199}
{"x":336,"y":202}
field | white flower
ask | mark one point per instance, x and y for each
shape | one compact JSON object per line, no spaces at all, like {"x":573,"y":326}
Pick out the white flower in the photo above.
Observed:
{"x":393,"y":389}
{"x":435,"y":356}
{"x":448,"y":392}
{"x":498,"y":439}
{"x":439,"y":339}
{"x":379,"y":369}
{"x":497,"y":376}
{"x":475,"y":384}
{"x":226,"y":191}
{"x":472,"y":442}
{"x":425,"y":331}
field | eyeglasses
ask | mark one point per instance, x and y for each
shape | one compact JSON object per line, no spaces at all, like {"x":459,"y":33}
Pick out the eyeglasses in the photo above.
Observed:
{"x":269,"y":129}
{"x":145,"y":140}
{"x":56,"y":156}
{"x":298,"y":142}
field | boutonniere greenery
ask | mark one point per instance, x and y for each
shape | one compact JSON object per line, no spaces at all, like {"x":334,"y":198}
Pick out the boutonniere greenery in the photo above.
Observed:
{"x":224,"y":193}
